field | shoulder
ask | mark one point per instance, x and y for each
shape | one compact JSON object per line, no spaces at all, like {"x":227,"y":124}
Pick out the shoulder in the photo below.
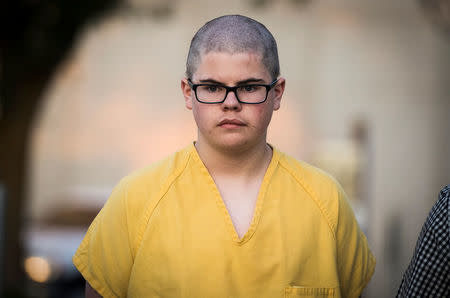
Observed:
{"x":142,"y":190}
{"x":319,"y":185}
{"x":308,"y":175}
{"x":442,"y":206}
{"x":159,"y":175}
{"x":438,"y":220}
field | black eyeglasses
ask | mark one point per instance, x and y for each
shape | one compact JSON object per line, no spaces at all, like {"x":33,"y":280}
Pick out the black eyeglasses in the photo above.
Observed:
{"x":215,"y":93}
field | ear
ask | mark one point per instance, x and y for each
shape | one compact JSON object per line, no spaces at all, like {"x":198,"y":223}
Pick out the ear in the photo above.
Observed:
{"x":278,"y":93}
{"x":187,"y":93}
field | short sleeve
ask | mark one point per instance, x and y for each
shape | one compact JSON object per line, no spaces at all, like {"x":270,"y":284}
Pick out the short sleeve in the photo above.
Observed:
{"x":356,"y":263}
{"x":104,"y":257}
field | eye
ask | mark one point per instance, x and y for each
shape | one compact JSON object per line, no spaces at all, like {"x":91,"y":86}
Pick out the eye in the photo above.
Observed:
{"x":212,"y":88}
{"x":248,"y":88}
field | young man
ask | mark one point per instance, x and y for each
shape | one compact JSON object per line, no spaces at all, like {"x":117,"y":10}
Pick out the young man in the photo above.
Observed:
{"x":230,"y":215}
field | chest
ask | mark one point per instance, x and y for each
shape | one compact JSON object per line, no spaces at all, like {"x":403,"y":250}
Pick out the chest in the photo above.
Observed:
{"x":240,"y":202}
{"x":190,"y":250}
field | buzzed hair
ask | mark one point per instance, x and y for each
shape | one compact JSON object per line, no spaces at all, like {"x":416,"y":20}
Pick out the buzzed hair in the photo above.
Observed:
{"x":234,"y":34}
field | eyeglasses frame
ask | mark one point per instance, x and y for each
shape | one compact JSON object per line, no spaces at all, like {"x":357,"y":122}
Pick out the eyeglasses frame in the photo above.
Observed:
{"x":232,"y":89}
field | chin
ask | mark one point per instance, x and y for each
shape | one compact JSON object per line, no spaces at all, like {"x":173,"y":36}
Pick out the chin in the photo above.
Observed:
{"x":233,"y":144}
{"x":230,"y":142}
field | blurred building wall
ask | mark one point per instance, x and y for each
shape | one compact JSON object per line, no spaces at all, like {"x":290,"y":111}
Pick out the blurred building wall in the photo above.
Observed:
{"x":116,"y":106}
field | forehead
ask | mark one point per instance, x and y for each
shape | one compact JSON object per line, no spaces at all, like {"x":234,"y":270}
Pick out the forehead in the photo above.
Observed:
{"x":229,"y":68}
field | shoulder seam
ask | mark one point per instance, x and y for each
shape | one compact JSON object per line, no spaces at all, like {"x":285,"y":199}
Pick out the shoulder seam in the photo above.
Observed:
{"x":312,"y":194}
{"x":152,"y":206}
{"x":125,"y":190}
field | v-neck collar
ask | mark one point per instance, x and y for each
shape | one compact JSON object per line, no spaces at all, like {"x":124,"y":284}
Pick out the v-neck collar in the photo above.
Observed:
{"x":221,"y":204}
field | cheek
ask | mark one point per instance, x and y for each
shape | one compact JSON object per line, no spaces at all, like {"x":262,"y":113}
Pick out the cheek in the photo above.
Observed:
{"x":201,"y":116}
{"x":262,"y":115}
{"x":196,"y":114}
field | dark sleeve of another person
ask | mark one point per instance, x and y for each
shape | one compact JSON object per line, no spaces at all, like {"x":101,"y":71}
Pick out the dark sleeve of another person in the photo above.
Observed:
{"x":428,"y":273}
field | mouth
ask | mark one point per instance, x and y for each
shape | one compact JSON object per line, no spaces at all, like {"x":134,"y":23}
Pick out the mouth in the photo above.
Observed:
{"x":231,"y":123}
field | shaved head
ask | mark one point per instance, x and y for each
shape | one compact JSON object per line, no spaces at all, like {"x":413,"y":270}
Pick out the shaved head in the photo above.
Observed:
{"x":234,"y":34}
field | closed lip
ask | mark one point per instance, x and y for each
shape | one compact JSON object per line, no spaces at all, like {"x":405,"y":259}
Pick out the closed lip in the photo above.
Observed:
{"x":231,"y":121}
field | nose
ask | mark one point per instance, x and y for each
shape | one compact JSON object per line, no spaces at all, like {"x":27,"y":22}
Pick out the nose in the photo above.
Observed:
{"x":231,"y":102}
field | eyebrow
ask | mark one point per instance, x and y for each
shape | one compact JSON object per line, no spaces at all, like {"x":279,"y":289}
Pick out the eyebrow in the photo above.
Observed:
{"x":243,"y":82}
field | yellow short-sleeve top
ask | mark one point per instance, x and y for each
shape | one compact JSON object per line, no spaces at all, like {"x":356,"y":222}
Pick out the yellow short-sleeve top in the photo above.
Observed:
{"x":165,"y":232}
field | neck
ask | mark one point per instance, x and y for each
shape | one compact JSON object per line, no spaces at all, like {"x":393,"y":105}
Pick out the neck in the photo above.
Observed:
{"x":243,"y":163}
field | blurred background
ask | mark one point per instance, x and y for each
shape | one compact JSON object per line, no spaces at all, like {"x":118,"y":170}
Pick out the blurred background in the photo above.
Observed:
{"x":90,"y":91}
